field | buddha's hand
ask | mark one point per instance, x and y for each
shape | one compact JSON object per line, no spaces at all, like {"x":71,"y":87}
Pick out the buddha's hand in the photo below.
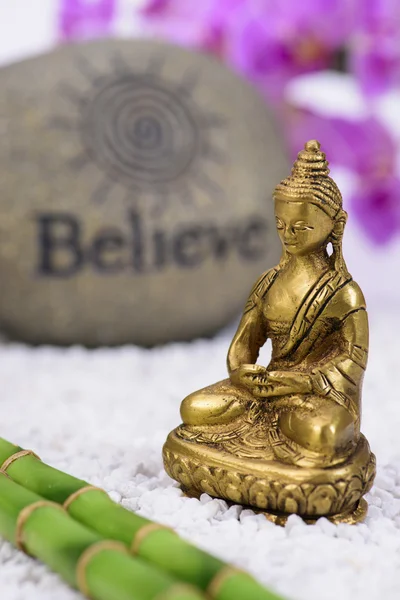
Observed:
{"x":282,"y":383}
{"x":248,"y":376}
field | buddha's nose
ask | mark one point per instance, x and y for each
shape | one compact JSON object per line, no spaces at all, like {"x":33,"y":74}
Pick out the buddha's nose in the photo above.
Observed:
{"x":289,"y":235}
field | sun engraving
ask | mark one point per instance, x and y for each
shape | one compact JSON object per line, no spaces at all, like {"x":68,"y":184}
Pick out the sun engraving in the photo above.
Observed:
{"x":146,"y":134}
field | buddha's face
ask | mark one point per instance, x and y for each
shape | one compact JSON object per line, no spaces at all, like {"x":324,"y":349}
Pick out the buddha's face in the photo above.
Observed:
{"x":302,"y":226}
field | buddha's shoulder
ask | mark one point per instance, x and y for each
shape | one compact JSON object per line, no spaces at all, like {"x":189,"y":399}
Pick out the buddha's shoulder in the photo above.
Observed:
{"x":260,"y":288}
{"x":263,"y":283}
{"x":348,"y":297}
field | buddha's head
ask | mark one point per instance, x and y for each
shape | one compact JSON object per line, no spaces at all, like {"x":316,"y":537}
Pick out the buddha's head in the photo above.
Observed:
{"x":308,"y":207}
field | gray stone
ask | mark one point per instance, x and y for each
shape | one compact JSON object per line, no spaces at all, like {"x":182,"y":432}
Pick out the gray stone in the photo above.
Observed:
{"x":135,"y":194}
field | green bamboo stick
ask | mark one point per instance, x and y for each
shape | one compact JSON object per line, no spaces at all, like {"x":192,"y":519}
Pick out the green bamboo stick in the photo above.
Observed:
{"x":101,"y":569}
{"x":159,"y":546}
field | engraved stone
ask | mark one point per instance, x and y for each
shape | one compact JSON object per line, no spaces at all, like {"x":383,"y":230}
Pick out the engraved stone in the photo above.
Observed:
{"x":135,"y":194}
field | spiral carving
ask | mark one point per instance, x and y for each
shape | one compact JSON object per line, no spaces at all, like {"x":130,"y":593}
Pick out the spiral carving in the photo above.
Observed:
{"x":140,"y":131}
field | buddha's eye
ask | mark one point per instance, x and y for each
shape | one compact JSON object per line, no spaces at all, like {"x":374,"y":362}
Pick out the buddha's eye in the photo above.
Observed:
{"x":300,"y":226}
{"x":279,"y":224}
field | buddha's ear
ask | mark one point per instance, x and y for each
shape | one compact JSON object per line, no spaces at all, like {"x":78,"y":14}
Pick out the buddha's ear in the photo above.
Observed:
{"x":340,"y":223}
{"x":336,"y":241}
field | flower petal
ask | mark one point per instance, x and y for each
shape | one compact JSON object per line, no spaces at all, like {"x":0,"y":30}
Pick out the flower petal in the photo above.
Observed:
{"x":363,"y":146}
{"x":81,"y":19}
{"x":375,"y":56}
{"x":376,"y":205}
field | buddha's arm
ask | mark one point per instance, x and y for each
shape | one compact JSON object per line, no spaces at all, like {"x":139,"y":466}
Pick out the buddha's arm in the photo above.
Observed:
{"x":247,"y":341}
{"x":251,"y":333}
{"x":341,"y":377}
{"x":338,"y":378}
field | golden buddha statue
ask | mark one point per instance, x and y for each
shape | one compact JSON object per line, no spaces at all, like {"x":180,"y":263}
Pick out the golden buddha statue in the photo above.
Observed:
{"x":286,"y":438}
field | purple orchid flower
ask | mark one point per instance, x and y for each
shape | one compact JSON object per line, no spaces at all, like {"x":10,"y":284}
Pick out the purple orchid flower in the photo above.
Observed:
{"x":271,"y":42}
{"x":376,"y":206}
{"x":375,"y":56}
{"x":81,"y":19}
{"x":363,"y":146}
{"x":367,"y":149}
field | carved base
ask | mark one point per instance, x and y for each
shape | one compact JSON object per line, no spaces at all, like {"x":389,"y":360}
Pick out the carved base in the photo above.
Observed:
{"x":276,"y":488}
{"x":350,"y":517}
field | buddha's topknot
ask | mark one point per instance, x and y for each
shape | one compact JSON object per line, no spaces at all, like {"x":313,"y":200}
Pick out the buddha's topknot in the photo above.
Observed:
{"x":310,"y":179}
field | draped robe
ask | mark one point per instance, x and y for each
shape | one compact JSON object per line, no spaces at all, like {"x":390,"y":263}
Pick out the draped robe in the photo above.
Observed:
{"x":327,"y":341}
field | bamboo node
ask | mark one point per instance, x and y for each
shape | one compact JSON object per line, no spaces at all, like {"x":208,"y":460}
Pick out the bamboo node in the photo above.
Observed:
{"x":87,"y":488}
{"x":143,"y":532}
{"x":219,"y":579}
{"x":88,"y":554}
{"x":2,"y":472}
{"x":24,"y":516}
{"x":16,"y":456}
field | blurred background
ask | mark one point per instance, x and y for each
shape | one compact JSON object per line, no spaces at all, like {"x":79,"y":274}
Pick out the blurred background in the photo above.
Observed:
{"x":327,"y":69}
